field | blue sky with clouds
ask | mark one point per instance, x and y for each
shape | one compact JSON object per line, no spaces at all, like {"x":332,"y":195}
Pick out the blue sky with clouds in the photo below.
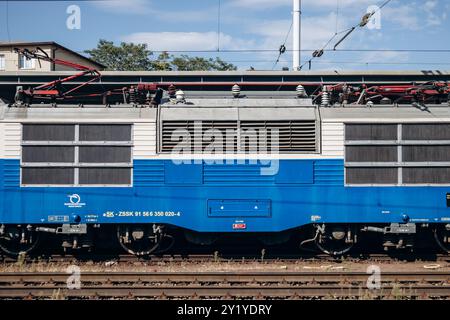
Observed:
{"x":245,"y":24}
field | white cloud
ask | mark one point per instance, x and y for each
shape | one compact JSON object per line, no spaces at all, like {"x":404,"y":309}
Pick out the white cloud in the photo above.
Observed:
{"x":264,"y":4}
{"x":200,"y":16}
{"x":342,"y":3}
{"x":415,"y":16}
{"x":430,"y":4}
{"x":125,"y":7}
{"x":316,"y":31}
{"x":186,"y":41}
{"x":433,"y":18}
{"x":270,"y":34}
{"x":385,"y":56}
{"x":145,"y":7}
{"x":255,"y":35}
{"x":404,"y":16}
{"x":260,"y":4}
{"x":318,"y":26}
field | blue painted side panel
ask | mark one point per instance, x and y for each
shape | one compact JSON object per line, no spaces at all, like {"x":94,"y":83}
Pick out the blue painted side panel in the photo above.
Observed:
{"x":289,"y":172}
{"x":11,"y":173}
{"x":148,"y":173}
{"x":227,"y":174}
{"x":177,"y":174}
{"x":1,"y":175}
{"x":239,"y":208}
{"x":190,"y":196}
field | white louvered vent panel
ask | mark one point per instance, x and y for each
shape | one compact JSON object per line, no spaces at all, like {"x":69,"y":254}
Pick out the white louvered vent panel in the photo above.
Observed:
{"x":2,"y":141}
{"x":11,"y":140}
{"x":333,"y":139}
{"x":144,"y":139}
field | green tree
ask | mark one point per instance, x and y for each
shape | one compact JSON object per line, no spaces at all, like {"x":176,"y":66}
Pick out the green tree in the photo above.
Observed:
{"x":162,"y":62}
{"x":221,"y":65}
{"x":125,"y":57}
{"x":187,"y":63}
{"x":136,"y":57}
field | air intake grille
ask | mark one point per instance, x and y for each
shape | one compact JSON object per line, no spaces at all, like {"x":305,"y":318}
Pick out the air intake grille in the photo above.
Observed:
{"x":254,"y":136}
{"x":293,"y":136}
{"x":187,"y":134}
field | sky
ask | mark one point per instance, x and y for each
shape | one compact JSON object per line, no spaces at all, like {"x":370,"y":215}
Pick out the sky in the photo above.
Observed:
{"x":257,"y":25}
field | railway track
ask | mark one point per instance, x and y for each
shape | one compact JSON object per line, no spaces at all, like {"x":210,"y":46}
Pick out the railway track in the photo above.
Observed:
{"x":229,"y":285}
{"x":228,"y":257}
{"x":243,"y":258}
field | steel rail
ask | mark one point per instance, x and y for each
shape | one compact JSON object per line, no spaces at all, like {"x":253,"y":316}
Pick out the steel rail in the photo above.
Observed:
{"x":225,"y":277}
{"x":225,"y":292}
{"x":226,"y":285}
{"x":224,"y":257}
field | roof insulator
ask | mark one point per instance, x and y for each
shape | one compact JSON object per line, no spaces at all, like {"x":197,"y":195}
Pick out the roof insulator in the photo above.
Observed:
{"x":236,"y":91}
{"x":180,"y":96}
{"x":365,"y":19}
{"x":301,"y":93}
{"x":385,"y":100}
{"x":317,"y":53}
{"x":325,"y":99}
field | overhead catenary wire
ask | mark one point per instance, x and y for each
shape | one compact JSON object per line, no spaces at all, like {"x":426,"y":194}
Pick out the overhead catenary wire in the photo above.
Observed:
{"x":7,"y":20}
{"x":331,"y":62}
{"x":218,"y":25}
{"x":365,"y":19}
{"x":319,"y":53}
{"x":282,"y":48}
{"x":383,"y":63}
{"x":302,"y":50}
{"x":323,"y":50}
{"x":337,"y":16}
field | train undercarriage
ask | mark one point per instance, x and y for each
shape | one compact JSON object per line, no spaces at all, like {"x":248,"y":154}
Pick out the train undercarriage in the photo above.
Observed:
{"x":147,"y":239}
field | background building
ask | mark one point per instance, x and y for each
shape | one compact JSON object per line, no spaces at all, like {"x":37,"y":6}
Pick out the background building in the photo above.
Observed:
{"x":12,"y":61}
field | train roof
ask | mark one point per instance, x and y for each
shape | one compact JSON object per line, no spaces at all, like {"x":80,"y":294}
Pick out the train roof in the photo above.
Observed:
{"x":228,"y":109}
{"x":119,"y":78}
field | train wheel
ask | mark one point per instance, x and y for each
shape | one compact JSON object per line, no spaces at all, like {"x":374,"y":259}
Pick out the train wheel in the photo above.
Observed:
{"x":442,"y":237}
{"x":335,"y":240}
{"x":140,"y":240}
{"x":15,"y":240}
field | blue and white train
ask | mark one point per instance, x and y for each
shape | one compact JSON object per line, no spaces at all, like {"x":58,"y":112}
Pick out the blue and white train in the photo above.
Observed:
{"x":337,"y":173}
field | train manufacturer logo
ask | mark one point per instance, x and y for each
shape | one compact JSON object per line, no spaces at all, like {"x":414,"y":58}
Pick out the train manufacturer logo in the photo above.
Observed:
{"x":74,"y":201}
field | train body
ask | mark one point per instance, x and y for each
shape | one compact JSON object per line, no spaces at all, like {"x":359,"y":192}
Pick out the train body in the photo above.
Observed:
{"x":289,"y":163}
